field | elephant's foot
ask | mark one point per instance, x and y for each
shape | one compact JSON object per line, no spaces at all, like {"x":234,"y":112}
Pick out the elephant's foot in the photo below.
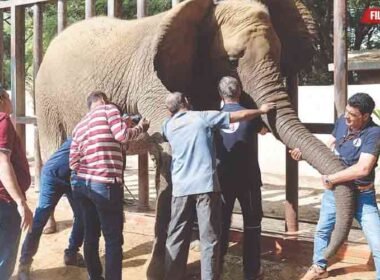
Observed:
{"x":155,"y":267}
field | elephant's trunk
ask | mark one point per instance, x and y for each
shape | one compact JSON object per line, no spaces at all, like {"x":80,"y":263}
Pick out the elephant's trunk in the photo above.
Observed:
{"x":266,"y":86}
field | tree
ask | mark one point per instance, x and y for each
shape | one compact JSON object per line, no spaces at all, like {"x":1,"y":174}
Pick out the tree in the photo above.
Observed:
{"x":359,"y":36}
{"x":362,"y":36}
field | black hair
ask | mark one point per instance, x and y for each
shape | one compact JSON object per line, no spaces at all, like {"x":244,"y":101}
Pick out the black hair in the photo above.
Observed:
{"x":95,"y":96}
{"x":363,"y":102}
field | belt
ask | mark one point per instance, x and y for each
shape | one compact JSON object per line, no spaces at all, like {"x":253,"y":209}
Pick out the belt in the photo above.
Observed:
{"x":365,"y":188}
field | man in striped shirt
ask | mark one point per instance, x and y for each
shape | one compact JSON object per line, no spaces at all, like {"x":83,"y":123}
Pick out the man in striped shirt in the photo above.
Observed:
{"x":97,"y":163}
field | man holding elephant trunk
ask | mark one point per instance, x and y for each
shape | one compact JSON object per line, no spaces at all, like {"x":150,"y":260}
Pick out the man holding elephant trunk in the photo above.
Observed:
{"x":356,"y":141}
{"x":195,"y":183}
{"x":97,"y":163}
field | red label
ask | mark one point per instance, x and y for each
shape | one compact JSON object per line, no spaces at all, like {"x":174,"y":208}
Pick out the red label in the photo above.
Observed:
{"x":371,"y":16}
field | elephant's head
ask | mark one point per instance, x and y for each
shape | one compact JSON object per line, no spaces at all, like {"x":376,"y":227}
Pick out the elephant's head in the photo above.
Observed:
{"x":259,"y":43}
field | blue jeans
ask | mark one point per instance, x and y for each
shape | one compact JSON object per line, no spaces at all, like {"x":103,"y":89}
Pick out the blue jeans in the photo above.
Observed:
{"x":9,"y":238}
{"x":366,"y":213}
{"x":102,"y":208}
{"x":50,"y":194}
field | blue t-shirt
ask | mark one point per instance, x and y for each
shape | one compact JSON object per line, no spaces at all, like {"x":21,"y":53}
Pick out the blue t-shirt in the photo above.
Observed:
{"x":349,"y":146}
{"x":237,"y":151}
{"x":57,"y":167}
{"x":190,"y":135}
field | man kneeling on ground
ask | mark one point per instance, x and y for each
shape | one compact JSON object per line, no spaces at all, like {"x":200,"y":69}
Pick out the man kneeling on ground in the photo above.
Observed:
{"x":55,"y":182}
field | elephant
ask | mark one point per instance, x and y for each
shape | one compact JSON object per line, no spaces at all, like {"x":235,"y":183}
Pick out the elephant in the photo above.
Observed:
{"x":187,"y":49}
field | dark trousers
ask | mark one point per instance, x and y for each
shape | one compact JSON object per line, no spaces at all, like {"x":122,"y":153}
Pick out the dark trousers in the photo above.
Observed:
{"x":102,"y":209}
{"x":207,"y":207}
{"x":249,"y":197}
{"x":10,"y":233}
{"x":50,"y":194}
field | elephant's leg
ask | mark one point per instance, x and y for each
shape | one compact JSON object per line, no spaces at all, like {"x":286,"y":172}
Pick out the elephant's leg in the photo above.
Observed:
{"x":156,"y":263}
{"x":51,"y":131}
{"x":155,"y":160}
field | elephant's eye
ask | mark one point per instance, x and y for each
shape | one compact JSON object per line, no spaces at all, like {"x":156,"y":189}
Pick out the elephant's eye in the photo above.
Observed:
{"x":234,"y":61}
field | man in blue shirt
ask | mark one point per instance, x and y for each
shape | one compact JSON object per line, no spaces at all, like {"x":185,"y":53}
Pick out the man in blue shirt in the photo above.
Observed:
{"x":240,"y":177}
{"x":55,"y":182}
{"x":195,"y":183}
{"x":356,"y":141}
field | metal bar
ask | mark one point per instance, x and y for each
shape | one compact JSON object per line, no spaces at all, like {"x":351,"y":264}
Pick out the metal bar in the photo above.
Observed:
{"x":340,"y":56}
{"x":291,"y":185}
{"x":62,"y":15}
{"x":141,"y":8}
{"x":18,"y":66}
{"x":90,"y":8}
{"x":37,"y":39}
{"x":10,"y":3}
{"x":175,"y":2}
{"x":26,"y":120}
{"x":1,"y":48}
{"x":37,"y":59}
{"x":114,"y":8}
{"x":143,"y":203}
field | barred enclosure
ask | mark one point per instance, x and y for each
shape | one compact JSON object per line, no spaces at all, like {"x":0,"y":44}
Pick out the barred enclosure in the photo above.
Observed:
{"x":17,"y":8}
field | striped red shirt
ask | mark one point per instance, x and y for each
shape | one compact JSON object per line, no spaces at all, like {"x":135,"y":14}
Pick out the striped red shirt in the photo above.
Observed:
{"x":95,"y":152}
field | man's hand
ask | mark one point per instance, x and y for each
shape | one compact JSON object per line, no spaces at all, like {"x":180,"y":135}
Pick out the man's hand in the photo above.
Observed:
{"x":129,"y":121}
{"x":144,"y":123}
{"x":26,"y":216}
{"x":296,"y":154}
{"x":326,"y":182}
{"x":265,"y":108}
{"x":264,"y":130}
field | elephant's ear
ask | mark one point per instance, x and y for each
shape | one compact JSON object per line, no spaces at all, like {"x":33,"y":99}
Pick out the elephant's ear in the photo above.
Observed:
{"x":296,"y":29}
{"x":176,"y":43}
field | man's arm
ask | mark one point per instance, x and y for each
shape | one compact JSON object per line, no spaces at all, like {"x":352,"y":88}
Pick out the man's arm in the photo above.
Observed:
{"x":360,"y":169}
{"x":249,"y":114}
{"x":9,"y":180}
{"x":119,"y":128}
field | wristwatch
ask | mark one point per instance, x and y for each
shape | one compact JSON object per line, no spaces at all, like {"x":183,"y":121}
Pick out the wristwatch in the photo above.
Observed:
{"x":327,"y":181}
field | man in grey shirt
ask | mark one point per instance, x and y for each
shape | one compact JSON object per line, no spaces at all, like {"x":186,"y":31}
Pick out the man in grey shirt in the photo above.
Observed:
{"x":195,"y":183}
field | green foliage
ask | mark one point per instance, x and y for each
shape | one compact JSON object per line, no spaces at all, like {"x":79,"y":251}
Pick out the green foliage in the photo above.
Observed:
{"x":158,"y":6}
{"x":376,"y":112}
{"x":359,"y":37}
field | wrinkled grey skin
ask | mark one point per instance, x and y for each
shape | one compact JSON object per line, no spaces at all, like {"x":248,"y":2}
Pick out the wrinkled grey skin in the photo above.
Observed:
{"x":188,"y":49}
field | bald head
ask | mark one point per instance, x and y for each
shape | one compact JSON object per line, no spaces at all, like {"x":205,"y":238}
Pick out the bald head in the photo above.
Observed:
{"x":175,"y":101}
